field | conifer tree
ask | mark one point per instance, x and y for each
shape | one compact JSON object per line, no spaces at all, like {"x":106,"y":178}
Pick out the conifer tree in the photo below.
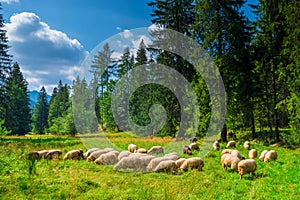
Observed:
{"x":40,"y":113}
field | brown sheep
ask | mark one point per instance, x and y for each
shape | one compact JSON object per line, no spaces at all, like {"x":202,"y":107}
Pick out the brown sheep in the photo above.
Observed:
{"x":229,"y":160}
{"x":75,"y":154}
{"x":156,"y":150}
{"x":262,"y":155}
{"x":247,"y":166}
{"x":252,"y":153}
{"x":194,"y":146}
{"x":186,"y":150}
{"x":231,"y":144}
{"x":247,"y":145}
{"x":192,"y":163}
{"x":167,"y":166}
{"x":132,"y":148}
{"x":271,"y":155}
{"x":53,"y":154}
{"x":33,"y":155}
{"x":216,"y":145}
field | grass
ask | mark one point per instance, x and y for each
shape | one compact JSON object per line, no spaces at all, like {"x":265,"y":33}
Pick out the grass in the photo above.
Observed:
{"x":69,"y":179}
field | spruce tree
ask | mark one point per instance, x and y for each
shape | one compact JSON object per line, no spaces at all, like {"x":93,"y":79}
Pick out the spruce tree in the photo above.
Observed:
{"x":40,"y":113}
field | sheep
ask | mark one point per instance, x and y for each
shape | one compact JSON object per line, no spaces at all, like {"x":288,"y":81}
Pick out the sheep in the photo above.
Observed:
{"x":172,"y":156}
{"x":33,"y":155}
{"x":132,"y":148}
{"x":53,"y":154}
{"x":193,"y":139}
{"x":141,"y":150}
{"x":156,"y":150}
{"x":179,"y":162}
{"x":167,"y":166}
{"x":95,"y":155}
{"x":229,"y":160}
{"x":186,"y":150}
{"x":226,"y":151}
{"x":247,"y":145}
{"x":270,"y":155}
{"x":123,"y":154}
{"x":145,"y":160}
{"x":216,"y":145}
{"x":262,"y":155}
{"x":109,"y":158}
{"x":129,"y":163}
{"x":192,"y":163}
{"x":194,"y":146}
{"x":247,"y":166}
{"x":154,"y":162}
{"x":88,"y":153}
{"x":237,"y":154}
{"x":231,"y":144}
{"x":75,"y":154}
{"x":42,"y":153}
{"x":252,"y":153}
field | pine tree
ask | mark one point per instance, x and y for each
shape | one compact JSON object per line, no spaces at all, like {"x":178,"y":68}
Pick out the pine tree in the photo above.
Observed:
{"x":40,"y":114}
{"x":17,"y":112}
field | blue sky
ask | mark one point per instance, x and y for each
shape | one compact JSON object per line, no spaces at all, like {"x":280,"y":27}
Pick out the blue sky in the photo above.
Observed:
{"x":50,"y":38}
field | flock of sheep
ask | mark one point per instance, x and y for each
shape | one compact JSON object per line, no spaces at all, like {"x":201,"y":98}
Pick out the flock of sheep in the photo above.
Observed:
{"x":140,"y":160}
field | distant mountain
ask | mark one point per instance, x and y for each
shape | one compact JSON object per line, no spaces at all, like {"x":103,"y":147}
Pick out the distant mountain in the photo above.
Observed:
{"x":33,"y":96}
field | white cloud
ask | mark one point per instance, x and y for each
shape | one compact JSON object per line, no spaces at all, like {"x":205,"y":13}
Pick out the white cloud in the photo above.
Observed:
{"x":9,"y":1}
{"x":45,"y":55}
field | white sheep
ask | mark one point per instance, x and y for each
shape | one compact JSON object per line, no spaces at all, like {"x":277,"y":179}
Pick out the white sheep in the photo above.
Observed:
{"x":216,"y":145}
{"x":247,"y":166}
{"x":129,"y":164}
{"x":156,"y":150}
{"x":172,"y":156}
{"x":226,"y":151}
{"x":237,"y":154}
{"x":75,"y":154}
{"x":194,"y":146}
{"x":179,"y":162}
{"x":123,"y":154}
{"x":132,"y":148}
{"x":167,"y":166}
{"x":109,"y":158}
{"x":252,"y":153}
{"x":141,"y":150}
{"x":229,"y":160}
{"x":262,"y":155}
{"x":145,"y":160}
{"x":192,"y":163}
{"x":247,"y":145}
{"x":154,"y":162}
{"x":231,"y":144}
{"x":271,"y":155}
{"x":88,"y":153}
{"x":95,"y":155}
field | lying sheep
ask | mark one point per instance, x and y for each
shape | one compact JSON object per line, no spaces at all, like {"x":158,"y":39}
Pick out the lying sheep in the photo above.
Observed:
{"x":75,"y":154}
{"x":154,"y":162}
{"x":192,"y":163}
{"x":53,"y":154}
{"x":237,"y":154}
{"x":179,"y":162}
{"x":132,"y":148}
{"x":231,"y":161}
{"x":109,"y":158}
{"x":129,"y":164}
{"x":156,"y":150}
{"x":231,"y":144}
{"x":226,"y":151}
{"x":262,"y":155}
{"x":216,"y":145}
{"x":141,"y":150}
{"x":270,"y":155}
{"x":123,"y":154}
{"x":252,"y":153}
{"x":88,"y":153}
{"x":166,"y":166}
{"x":194,"y":146}
{"x":95,"y":155}
{"x":247,"y":166}
{"x":33,"y":155}
{"x":247,"y":145}
{"x":186,"y":150}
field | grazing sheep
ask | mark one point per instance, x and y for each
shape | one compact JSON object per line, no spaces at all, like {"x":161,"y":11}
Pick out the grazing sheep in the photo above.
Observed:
{"x":192,"y":163}
{"x":95,"y":155}
{"x":216,"y":145}
{"x":229,"y":160}
{"x":42,"y":153}
{"x":231,"y":144}
{"x":172,"y":156}
{"x":186,"y":150}
{"x":88,"y":153}
{"x":262,"y":155}
{"x":194,"y":146}
{"x":179,"y":162}
{"x":252,"y":153}
{"x":237,"y":154}
{"x":247,"y":166}
{"x":123,"y":154}
{"x":53,"y":154}
{"x":129,"y":164}
{"x":145,"y":160}
{"x":154,"y":162}
{"x":247,"y":145}
{"x":132,"y":148}
{"x":270,"y":155}
{"x":166,"y":166}
{"x":75,"y":154}
{"x":141,"y":150}
{"x":156,"y":150}
{"x":109,"y":158}
{"x":226,"y":151}
{"x":33,"y":155}
{"x":193,"y":139}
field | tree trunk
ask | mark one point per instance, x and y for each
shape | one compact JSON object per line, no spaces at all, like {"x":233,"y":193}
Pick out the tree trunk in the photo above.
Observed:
{"x":275,"y":102}
{"x":252,"y":122}
{"x":224,"y":134}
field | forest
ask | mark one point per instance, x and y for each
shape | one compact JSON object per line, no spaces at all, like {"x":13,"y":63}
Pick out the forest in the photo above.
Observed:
{"x":258,"y":60}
